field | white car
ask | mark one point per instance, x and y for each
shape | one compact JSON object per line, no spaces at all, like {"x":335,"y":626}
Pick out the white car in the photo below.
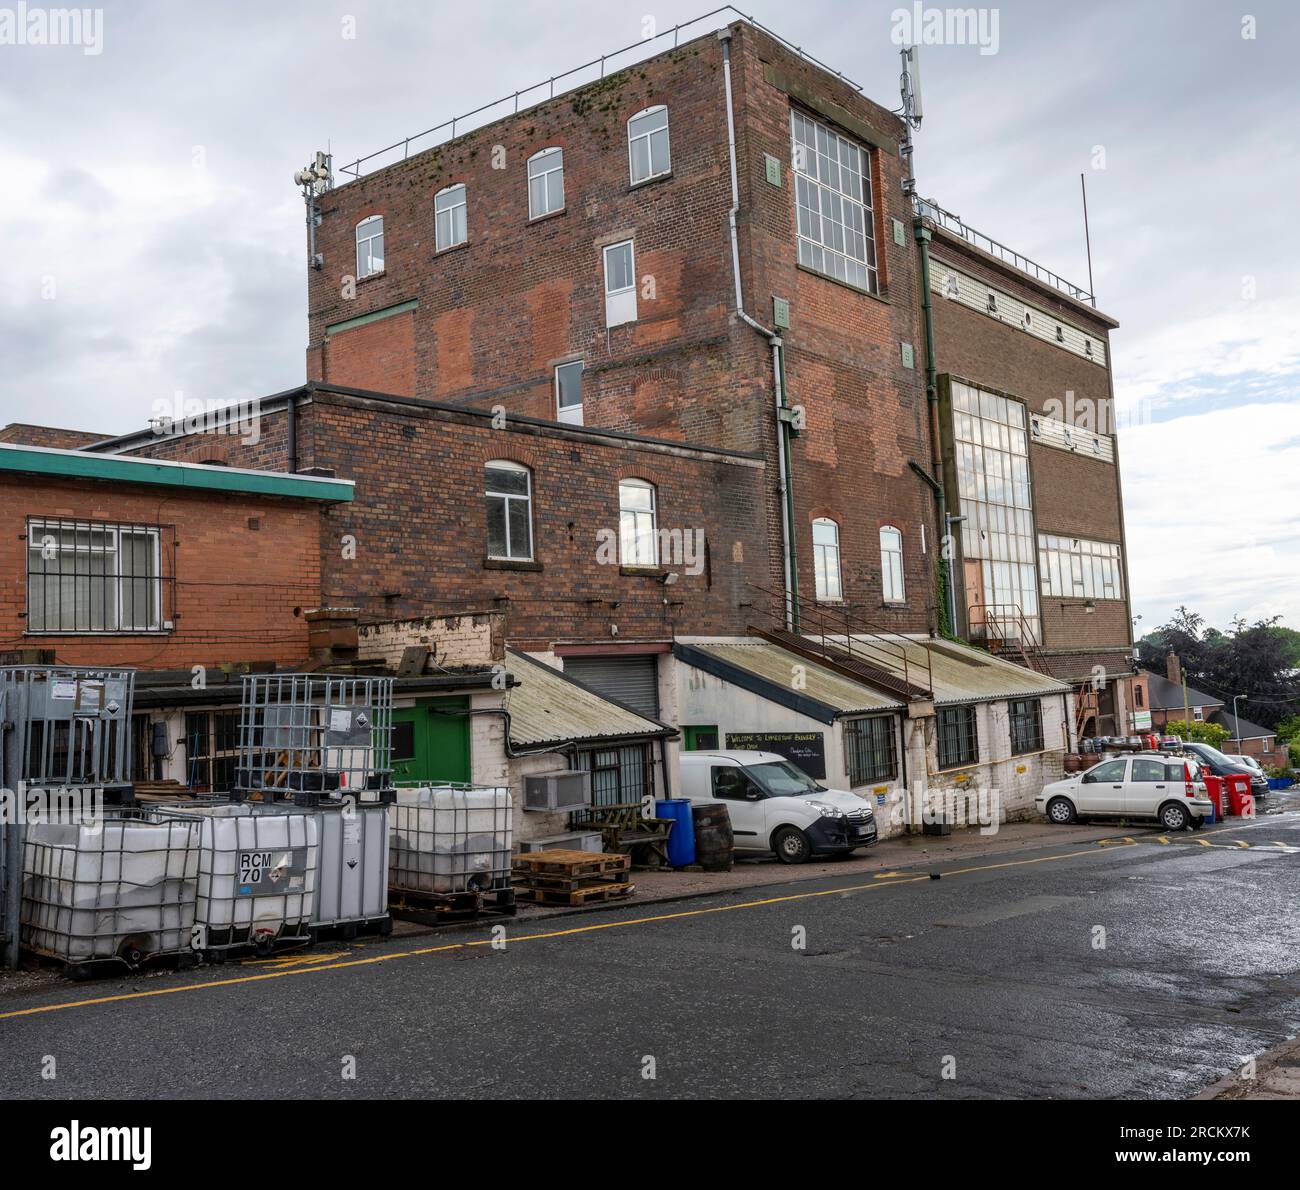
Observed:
{"x":1250,"y":762}
{"x":775,"y":806}
{"x":1166,"y":789}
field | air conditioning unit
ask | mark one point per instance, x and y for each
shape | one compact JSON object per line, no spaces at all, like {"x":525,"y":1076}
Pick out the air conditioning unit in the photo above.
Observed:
{"x":559,"y":790}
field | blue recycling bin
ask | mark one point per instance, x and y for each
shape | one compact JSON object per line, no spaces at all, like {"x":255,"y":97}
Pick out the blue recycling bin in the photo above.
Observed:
{"x":681,"y":839}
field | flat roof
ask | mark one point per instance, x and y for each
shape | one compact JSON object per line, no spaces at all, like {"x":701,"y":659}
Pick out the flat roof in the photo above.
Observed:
{"x":78,"y":464}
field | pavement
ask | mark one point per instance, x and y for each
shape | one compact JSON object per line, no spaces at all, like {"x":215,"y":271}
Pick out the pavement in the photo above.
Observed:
{"x":1062,"y":963}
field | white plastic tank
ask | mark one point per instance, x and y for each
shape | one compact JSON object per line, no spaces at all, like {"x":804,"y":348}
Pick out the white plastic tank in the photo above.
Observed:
{"x":450,"y":839}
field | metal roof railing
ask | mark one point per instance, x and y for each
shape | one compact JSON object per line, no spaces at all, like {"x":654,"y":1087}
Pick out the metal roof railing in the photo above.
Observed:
{"x":934,"y":214}
{"x":546,"y":90}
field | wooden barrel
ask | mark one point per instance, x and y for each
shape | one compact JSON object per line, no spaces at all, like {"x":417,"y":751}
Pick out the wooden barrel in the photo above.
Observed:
{"x":713,"y":837}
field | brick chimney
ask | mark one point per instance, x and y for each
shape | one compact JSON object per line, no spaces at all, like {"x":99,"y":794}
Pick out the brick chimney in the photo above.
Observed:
{"x":332,"y":635}
{"x":1173,"y":671}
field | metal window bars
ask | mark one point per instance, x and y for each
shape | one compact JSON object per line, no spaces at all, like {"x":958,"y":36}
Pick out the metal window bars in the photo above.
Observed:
{"x":311,"y":737}
{"x":958,"y":737}
{"x":871,"y":749}
{"x":570,"y":80}
{"x":1026,"y":722}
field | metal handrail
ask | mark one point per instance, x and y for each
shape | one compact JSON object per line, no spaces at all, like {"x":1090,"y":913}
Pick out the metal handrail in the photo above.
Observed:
{"x":996,"y":614}
{"x":856,"y":628}
{"x":603,"y":62}
{"x":934,"y":214}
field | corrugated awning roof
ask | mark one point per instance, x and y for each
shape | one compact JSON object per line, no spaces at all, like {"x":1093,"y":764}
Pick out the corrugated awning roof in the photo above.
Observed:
{"x":963,"y":674}
{"x":547,"y":707}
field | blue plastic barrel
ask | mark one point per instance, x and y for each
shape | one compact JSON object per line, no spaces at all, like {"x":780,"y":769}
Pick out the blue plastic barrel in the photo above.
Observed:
{"x":681,"y":839}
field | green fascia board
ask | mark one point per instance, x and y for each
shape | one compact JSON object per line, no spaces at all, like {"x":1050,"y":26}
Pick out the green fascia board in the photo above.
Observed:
{"x":348,"y":324}
{"x":74,"y":464}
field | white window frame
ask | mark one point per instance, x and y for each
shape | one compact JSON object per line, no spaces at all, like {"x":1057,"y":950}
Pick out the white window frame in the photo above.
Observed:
{"x":828,"y":217}
{"x":370,"y":269}
{"x":543,"y":164}
{"x":644,"y":546}
{"x":620,"y":303}
{"x":1198,"y":715}
{"x":509,"y":498}
{"x":648,"y":137}
{"x":572,"y":414}
{"x":892,"y":583}
{"x":823,"y":552}
{"x":110,"y":547}
{"x":444,"y":204}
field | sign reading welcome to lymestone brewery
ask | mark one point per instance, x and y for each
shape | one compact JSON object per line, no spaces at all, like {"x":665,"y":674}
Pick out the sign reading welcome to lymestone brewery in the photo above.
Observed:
{"x":806,"y":748}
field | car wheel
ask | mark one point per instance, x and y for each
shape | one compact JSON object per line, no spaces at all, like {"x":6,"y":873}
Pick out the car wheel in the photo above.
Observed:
{"x":1173,"y":817}
{"x":1060,"y":810}
{"x":791,"y":845}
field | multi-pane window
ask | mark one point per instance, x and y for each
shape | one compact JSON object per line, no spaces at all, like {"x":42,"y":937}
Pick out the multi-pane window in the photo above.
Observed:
{"x":638,"y":537}
{"x":620,"y":284}
{"x":826,"y":559}
{"x":211,"y":750}
{"x":509,"y":510}
{"x":545,"y":183}
{"x":870,"y":750}
{"x":891,"y":564}
{"x":449,"y":212}
{"x":1075,"y":566}
{"x":958,"y":737}
{"x":619,"y":776}
{"x":647,"y":144}
{"x":998,"y":533}
{"x":370,"y":246}
{"x":86,"y":576}
{"x":568,"y":392}
{"x":1026,"y":725}
{"x":832,"y":177}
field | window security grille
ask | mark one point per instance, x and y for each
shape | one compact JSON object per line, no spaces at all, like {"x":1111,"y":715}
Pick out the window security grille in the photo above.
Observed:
{"x":1026,"y":725}
{"x":870,"y":750}
{"x":958,"y":737}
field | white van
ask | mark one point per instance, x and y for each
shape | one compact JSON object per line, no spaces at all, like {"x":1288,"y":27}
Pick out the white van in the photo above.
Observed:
{"x":775,"y":806}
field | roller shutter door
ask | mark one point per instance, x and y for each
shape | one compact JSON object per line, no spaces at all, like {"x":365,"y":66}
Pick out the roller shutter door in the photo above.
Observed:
{"x":632,"y":680}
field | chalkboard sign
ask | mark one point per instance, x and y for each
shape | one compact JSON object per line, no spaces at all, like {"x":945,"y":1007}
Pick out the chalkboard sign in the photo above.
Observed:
{"x":806,"y":748}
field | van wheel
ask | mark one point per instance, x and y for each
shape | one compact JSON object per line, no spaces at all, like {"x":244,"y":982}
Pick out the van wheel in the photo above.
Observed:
{"x":791,"y":845}
{"x":1173,"y":817}
{"x":1060,"y":810}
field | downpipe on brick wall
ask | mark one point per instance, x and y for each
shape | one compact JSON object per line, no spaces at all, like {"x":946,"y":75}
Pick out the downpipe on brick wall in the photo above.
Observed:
{"x":786,"y":495}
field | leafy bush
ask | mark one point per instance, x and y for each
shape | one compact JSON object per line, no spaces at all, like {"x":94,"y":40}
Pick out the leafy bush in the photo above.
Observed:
{"x":1201,"y":733}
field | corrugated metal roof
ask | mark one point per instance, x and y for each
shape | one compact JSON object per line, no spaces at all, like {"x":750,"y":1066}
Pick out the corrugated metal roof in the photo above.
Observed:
{"x":546,"y":707}
{"x":963,"y":674}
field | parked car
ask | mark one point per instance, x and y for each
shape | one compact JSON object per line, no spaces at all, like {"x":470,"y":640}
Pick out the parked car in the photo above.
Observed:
{"x":775,"y":806}
{"x":1249,"y":761}
{"x":1145,"y":786}
{"x":1222,"y":766}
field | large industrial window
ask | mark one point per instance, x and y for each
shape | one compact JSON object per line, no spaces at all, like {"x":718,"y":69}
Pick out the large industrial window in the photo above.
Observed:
{"x":992,"y":454}
{"x":620,"y":284}
{"x":891,"y":564}
{"x":1026,"y":725}
{"x":211,"y":750}
{"x":1074,"y":566}
{"x":647,"y":144}
{"x":545,"y":183}
{"x":87,"y":576}
{"x":449,"y":216}
{"x":832,"y":177}
{"x":870,"y":750}
{"x":370,"y":246}
{"x":638,"y":537}
{"x":958,"y":737}
{"x":509,"y":510}
{"x":826,"y":559}
{"x":568,"y":392}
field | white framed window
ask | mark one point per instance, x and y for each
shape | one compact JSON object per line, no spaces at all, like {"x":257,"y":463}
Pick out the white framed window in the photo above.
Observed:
{"x":637,"y":531}
{"x":836,"y":227}
{"x":509,"y":493}
{"x":1080,"y":568}
{"x":647,"y":144}
{"x":370,"y":246}
{"x":568,"y":392}
{"x":545,"y":183}
{"x":1198,"y":714}
{"x":449,"y":216}
{"x":891,"y":564}
{"x":620,"y":284}
{"x":826,"y":558}
{"x":87,"y":576}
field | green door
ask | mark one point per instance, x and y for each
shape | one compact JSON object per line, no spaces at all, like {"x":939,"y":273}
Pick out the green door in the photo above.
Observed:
{"x":700,"y":738}
{"x":429,"y":744}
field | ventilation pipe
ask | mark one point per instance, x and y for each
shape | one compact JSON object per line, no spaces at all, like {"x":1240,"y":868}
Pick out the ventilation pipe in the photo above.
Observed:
{"x":790,"y":575}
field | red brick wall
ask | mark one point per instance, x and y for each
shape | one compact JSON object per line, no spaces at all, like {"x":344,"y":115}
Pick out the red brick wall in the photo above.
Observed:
{"x":21,"y":434}
{"x":378,"y":355}
{"x":236,"y":588}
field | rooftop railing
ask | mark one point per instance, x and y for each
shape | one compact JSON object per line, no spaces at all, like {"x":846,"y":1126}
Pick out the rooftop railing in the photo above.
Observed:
{"x":935,"y":215}
{"x":562,"y":84}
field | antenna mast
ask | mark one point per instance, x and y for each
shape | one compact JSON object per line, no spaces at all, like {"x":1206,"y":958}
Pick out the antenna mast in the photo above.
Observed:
{"x":909,"y":84}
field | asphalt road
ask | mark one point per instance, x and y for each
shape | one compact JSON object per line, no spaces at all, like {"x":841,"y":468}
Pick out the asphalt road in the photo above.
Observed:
{"x":995,"y":974}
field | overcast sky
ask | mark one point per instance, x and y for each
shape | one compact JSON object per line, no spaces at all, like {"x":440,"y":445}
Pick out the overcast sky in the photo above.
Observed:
{"x":151,"y":238}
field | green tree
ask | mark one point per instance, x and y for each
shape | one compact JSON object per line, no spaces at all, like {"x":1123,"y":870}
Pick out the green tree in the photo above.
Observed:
{"x":1201,"y":733}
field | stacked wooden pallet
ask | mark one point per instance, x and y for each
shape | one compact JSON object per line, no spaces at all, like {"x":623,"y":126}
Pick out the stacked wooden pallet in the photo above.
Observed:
{"x":561,"y":877}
